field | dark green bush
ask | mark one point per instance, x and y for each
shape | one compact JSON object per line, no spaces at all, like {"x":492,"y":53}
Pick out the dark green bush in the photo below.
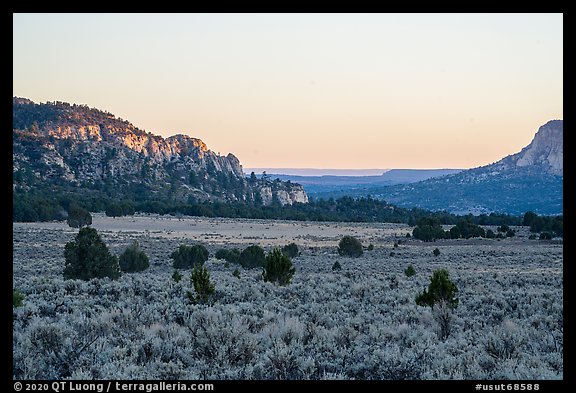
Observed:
{"x":436,"y":252}
{"x":78,"y":217}
{"x":336,"y":266}
{"x":176,"y":276}
{"x":545,"y":236}
{"x":87,"y":257}
{"x":290,"y":250}
{"x":410,"y":271}
{"x":429,"y":229}
{"x":350,"y":246}
{"x":17,"y":298}
{"x":118,"y":209}
{"x":186,"y":257}
{"x":252,"y":256}
{"x":133,"y":259}
{"x":203,"y":287}
{"x":232,"y":256}
{"x":441,"y":289}
{"x":278,"y":268}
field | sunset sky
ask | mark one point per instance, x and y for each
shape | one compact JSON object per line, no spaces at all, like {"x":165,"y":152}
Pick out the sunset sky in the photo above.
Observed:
{"x":308,"y":90}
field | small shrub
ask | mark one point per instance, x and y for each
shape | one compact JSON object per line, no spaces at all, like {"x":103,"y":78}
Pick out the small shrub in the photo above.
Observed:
{"x":186,"y":257}
{"x":393,"y":282}
{"x":191,"y":297}
{"x":442,"y":314}
{"x":133,"y":259}
{"x":490,"y":234}
{"x":545,"y":236}
{"x":87,"y":257}
{"x":203,"y":287}
{"x":291,"y":250}
{"x":350,"y":246}
{"x":370,"y":247}
{"x":436,"y":252}
{"x":532,"y":237}
{"x":410,"y":271}
{"x":278,"y":268}
{"x":232,"y":256}
{"x":176,"y":276}
{"x":336,"y":266}
{"x":17,"y":298}
{"x":236,"y":273}
{"x":441,"y":288}
{"x":252,"y":256}
{"x":441,"y":297}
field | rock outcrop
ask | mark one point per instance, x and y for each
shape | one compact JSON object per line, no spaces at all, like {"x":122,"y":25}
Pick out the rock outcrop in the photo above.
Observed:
{"x":530,"y":180}
{"x":62,"y":144}
{"x":545,"y":152}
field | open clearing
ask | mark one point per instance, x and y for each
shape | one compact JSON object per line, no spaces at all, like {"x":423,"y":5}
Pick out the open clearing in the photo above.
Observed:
{"x":359,"y":323}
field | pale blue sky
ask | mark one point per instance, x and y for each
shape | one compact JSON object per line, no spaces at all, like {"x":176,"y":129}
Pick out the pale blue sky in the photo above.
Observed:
{"x":308,"y":90}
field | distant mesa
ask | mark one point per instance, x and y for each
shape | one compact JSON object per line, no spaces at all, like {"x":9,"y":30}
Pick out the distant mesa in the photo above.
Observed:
{"x":317,"y":171}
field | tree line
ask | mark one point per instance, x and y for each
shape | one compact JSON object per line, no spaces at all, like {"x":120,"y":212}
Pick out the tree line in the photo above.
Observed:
{"x":430,"y":228}
{"x":33,"y":207}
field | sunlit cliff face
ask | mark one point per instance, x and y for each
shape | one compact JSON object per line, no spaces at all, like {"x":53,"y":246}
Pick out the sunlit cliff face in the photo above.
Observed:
{"x":546,"y":149}
{"x":57,"y":142}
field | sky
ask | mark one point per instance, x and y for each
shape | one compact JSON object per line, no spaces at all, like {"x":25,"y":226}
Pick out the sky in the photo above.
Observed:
{"x":343,"y":91}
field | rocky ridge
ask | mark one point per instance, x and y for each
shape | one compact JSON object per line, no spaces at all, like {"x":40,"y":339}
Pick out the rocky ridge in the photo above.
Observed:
{"x":545,"y":152}
{"x":530,"y":180}
{"x":61,"y":144}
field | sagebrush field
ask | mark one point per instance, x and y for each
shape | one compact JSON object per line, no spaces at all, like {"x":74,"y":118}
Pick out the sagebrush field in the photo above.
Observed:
{"x":361,"y":322}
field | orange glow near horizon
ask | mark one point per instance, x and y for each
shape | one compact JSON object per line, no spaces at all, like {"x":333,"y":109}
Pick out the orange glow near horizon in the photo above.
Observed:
{"x":341,"y":91}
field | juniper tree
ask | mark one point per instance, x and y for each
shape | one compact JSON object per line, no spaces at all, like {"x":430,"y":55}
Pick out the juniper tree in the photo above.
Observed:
{"x":78,"y":217}
{"x":87,"y":257}
{"x":278,"y":268}
{"x":252,"y":256}
{"x":133,"y":259}
{"x":186,"y":257}
{"x":291,"y":250}
{"x":203,"y":287}
{"x":441,"y":297}
{"x":441,"y":288}
{"x":350,"y":246}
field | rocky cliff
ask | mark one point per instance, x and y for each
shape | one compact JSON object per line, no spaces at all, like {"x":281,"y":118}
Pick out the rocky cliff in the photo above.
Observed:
{"x":545,"y":153}
{"x":62,"y":145}
{"x":530,"y":180}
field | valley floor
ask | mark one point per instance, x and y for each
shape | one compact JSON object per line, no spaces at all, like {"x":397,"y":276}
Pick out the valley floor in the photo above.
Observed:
{"x":359,"y":323}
